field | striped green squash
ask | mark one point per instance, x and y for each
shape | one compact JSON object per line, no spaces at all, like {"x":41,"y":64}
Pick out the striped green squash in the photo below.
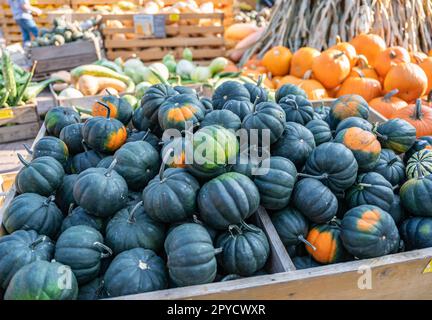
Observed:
{"x":422,"y":159}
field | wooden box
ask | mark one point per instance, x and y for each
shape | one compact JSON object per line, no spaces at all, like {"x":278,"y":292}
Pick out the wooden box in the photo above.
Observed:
{"x":18,"y":123}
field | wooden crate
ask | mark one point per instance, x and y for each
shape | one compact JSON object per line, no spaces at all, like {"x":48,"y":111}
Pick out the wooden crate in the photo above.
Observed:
{"x":206,"y":42}
{"x":65,"y":57}
{"x":7,"y":180}
{"x":75,"y":4}
{"x":18,"y":123}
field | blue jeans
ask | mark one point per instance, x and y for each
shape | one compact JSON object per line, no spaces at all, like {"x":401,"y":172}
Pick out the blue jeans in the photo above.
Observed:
{"x":28,"y":28}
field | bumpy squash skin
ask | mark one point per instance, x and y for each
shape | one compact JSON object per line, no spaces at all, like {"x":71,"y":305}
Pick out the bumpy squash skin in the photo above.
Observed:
{"x":373,"y":189}
{"x":94,"y":290}
{"x":31,"y":211}
{"x":64,"y":195}
{"x":295,"y":144}
{"x":229,"y":90}
{"x":422,"y":161}
{"x":396,"y":134}
{"x":51,"y":147}
{"x":58,"y":118}
{"x":71,"y":135}
{"x":339,"y":174}
{"x":137,"y":162}
{"x":239,"y":107}
{"x":354,"y":122}
{"x":85,"y":160}
{"x":79,"y":216}
{"x":224,"y":118}
{"x":305,"y":263}
{"x":133,"y":228}
{"x":275,"y":187}
{"x":244,"y":251}
{"x":21,"y":248}
{"x":257,"y":93}
{"x":290,"y":225}
{"x":141,"y":122}
{"x":80,"y":248}
{"x":228,"y":199}
{"x":397,"y":211}
{"x":320,"y":130}
{"x":146,"y":136}
{"x":416,"y":196}
{"x":102,"y":192}
{"x":369,"y":232}
{"x":326,"y":238}
{"x":105,"y":162}
{"x":314,"y":200}
{"x":171,"y":196}
{"x":363,"y":144}
{"x":297,"y":109}
{"x":135,"y":271}
{"x":266,"y":116}
{"x":40,"y":281}
{"x":119,"y":107}
{"x":417,"y":233}
{"x":347,"y":106}
{"x":43,"y":176}
{"x":191,"y":255}
{"x":289,"y":89}
{"x":246,"y":163}
{"x":391,"y":167}
{"x":104,"y":135}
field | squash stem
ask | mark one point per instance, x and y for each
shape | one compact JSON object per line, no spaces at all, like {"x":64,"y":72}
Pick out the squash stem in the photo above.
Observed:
{"x":107,"y":107}
{"x":22,"y":160}
{"x":387,"y":97}
{"x":196,"y":220}
{"x":146,"y":134}
{"x":340,"y":54}
{"x":37,"y":241}
{"x":255,"y":104}
{"x":27,"y":148}
{"x":111,"y":168}
{"x":84,"y":145}
{"x":71,"y":206}
{"x":236,"y":228}
{"x":305,"y":175}
{"x":218,"y":250}
{"x":48,"y":200}
{"x":131,"y":218}
{"x":364,"y":185}
{"x":108,"y":252}
{"x":302,"y":239}
{"x":248,"y":227}
{"x":418,"y":115}
{"x":260,"y":80}
{"x":429,"y":97}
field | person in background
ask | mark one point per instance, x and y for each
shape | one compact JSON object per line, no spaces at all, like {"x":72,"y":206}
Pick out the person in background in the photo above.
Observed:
{"x":22,"y":12}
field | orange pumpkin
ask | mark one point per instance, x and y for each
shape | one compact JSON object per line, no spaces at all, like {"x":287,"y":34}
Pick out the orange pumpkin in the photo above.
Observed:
{"x":348,"y":49}
{"x":426,"y":65}
{"x":276,"y":82}
{"x":331,"y":68}
{"x":256,"y":65}
{"x":388,"y":104}
{"x":369,"y":45}
{"x":389,"y":58}
{"x":409,"y":79}
{"x":231,"y":67}
{"x":419,"y":116}
{"x":430,"y":53}
{"x":288,"y":80}
{"x":367,"y":88}
{"x":363,"y":68}
{"x":314,"y":89}
{"x":302,"y":61}
{"x":277,"y":60}
{"x":417,"y":56}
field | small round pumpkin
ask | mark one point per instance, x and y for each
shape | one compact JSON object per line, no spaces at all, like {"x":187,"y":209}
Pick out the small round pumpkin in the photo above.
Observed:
{"x":291,"y":226}
{"x":277,"y":60}
{"x":59,"y":117}
{"x":416,"y":233}
{"x":362,"y":68}
{"x":391,"y":167}
{"x":135,"y":271}
{"x":240,"y":108}
{"x":346,"y":106}
{"x":419,"y":161}
{"x":64,"y":195}
{"x":416,"y":195}
{"x":389,"y":58}
{"x":313,"y":88}
{"x":320,"y":130}
{"x":346,"y":48}
{"x":297,"y":109}
{"x":120,"y":108}
{"x":352,"y":122}
{"x":289,"y":89}
{"x":71,"y":135}
{"x":79,"y":216}
{"x":419,"y":116}
{"x":224,"y":118}
{"x":245,"y":249}
{"x":369,"y":45}
{"x":363,"y":144}
{"x":229,"y":90}
{"x":396,"y":134}
{"x":331,"y":68}
{"x":388,"y":104}
{"x":367,"y":88}
{"x":369,"y":232}
{"x":302,"y":61}
{"x":51,"y":147}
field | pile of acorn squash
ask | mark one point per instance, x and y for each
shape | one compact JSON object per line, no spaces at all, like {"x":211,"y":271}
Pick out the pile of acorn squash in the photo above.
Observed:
{"x":121,"y":213}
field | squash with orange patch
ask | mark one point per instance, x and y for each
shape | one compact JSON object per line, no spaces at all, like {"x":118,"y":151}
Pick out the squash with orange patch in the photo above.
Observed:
{"x":120,"y":108}
{"x":369,"y":232}
{"x":419,"y":116}
{"x":327,"y":243}
{"x":363,"y":144}
{"x":350,"y":105}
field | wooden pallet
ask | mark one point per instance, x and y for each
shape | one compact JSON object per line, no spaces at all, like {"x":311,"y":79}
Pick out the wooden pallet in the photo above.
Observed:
{"x":18,"y":123}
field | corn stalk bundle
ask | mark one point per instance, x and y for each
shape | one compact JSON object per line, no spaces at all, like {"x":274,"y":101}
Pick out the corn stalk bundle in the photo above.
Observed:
{"x":316,"y":23}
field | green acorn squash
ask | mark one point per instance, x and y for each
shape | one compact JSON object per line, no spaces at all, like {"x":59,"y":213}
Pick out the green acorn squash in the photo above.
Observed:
{"x":51,"y":147}
{"x":85,"y":160}
{"x":240,"y":108}
{"x":320,"y":130}
{"x":416,"y":233}
{"x":71,"y":135}
{"x":223,"y":118}
{"x":64,"y":195}
{"x":397,"y":211}
{"x":418,"y":145}
{"x":229,"y":90}
{"x":396,"y":134}
{"x":416,"y":195}
{"x":257,"y":92}
{"x":297,"y":109}
{"x":59,"y":117}
{"x":79,"y":216}
{"x":421,"y":160}
{"x":391,"y":167}
{"x":305,"y":263}
{"x":94,"y":290}
{"x":289,"y":89}
{"x":146,"y":136}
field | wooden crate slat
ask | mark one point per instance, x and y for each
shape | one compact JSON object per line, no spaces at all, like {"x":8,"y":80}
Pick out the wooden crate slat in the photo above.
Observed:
{"x":21,"y":115}
{"x":19,"y":132}
{"x":168,"y":42}
{"x":170,"y":30}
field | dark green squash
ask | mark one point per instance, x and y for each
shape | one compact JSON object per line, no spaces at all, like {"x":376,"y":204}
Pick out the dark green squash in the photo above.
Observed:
{"x":174,"y":152}
{"x":267,"y":117}
{"x":369,"y":232}
{"x":207,"y":104}
{"x":257,"y":92}
{"x":245,"y":249}
{"x":120,"y":108}
{"x":396,"y":134}
{"x":314,"y":200}
{"x":354,"y":122}
{"x":320,"y":130}
{"x":105,"y":162}
{"x":417,"y":233}
{"x":289,"y":89}
{"x":276,"y":185}
{"x":239,"y":107}
{"x":334,"y":165}
{"x":228,"y":199}
{"x":185,"y":90}
{"x":373,"y":189}
{"x":296,"y":144}
{"x":171,"y":196}
{"x":59,"y":117}
{"x":223,"y":118}
{"x":40,"y":280}
{"x":397,"y":211}
{"x":102,"y":192}
{"x":43,"y":176}
{"x":133,"y":228}
{"x":85,"y":160}
{"x":146,"y":136}
{"x":31,"y":211}
{"x":416,"y":195}
{"x":305,"y":262}
{"x":421,"y":160}
{"x":78,"y":217}
{"x":247,"y":162}
{"x":229,"y":90}
{"x":418,"y":145}
{"x":135,"y":271}
{"x":82,"y":248}
{"x":212,"y":232}
{"x":350,"y":105}
{"x":191,"y":255}
{"x":322,"y":113}
{"x":297,"y":109}
{"x":19,"y":249}
{"x":137,"y":162}
{"x":140,"y":122}
{"x":391,"y":167}
{"x":64,"y":195}
{"x":94,"y":290}
{"x":51,"y":147}
{"x":71,"y":135}
{"x":229,"y":277}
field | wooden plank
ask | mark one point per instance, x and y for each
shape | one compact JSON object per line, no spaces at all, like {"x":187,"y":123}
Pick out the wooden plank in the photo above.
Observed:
{"x":170,"y":30}
{"x":168,"y":42}
{"x":19,"y":132}
{"x":65,"y":51}
{"x":20,"y":115}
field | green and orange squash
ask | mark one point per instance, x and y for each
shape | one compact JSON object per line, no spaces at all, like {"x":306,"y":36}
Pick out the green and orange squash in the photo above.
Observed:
{"x":120,"y":108}
{"x":59,"y":117}
{"x":396,"y":134}
{"x":347,"y":106}
{"x":354,"y":122}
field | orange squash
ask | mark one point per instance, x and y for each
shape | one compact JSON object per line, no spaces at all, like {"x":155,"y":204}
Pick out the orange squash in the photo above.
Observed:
{"x":419,"y":116}
{"x":417,"y":56}
{"x":430,"y":53}
{"x":314,"y":89}
{"x":389,"y":58}
{"x":388,"y":104}
{"x":256,"y":75}
{"x":256,"y":65}
{"x":426,"y":65}
{"x":367,"y":88}
{"x":348,"y":49}
{"x":409,"y":79}
{"x":288,"y":80}
{"x":302,"y":61}
{"x":363,"y":68}
{"x":238,"y":31}
{"x":369,"y":45}
{"x":277,"y":60}
{"x":276,"y":82}
{"x":331,"y":68}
